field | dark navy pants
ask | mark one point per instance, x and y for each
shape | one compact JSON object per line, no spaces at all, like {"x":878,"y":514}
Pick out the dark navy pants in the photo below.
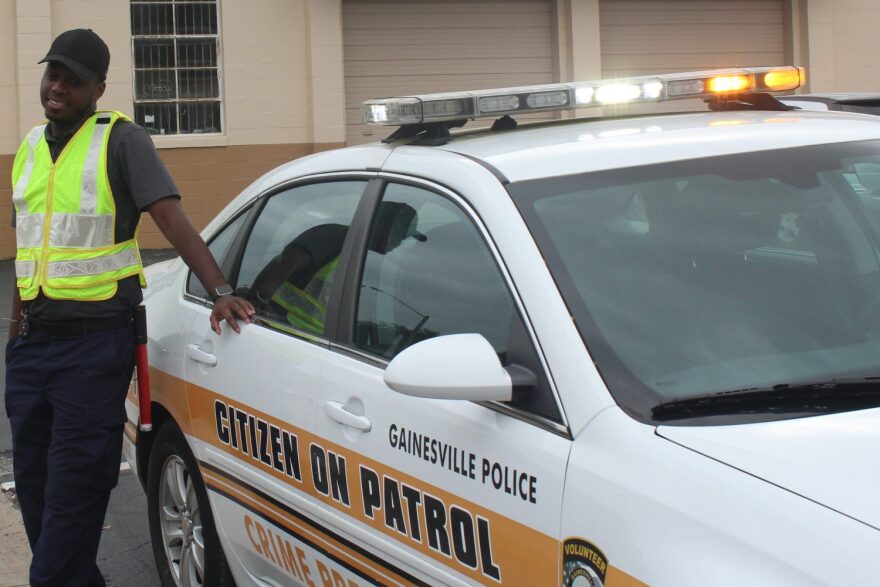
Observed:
{"x":65,"y":398}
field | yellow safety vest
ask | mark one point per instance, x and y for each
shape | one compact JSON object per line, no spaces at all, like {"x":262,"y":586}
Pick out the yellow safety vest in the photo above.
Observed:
{"x":66,"y":217}
{"x":307,"y":308}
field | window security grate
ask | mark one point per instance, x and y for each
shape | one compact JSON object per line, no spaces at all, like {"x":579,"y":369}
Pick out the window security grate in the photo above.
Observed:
{"x":176,"y":66}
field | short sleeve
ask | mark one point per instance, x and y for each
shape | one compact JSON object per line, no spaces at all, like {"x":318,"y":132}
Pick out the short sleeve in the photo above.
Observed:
{"x":146,"y":176}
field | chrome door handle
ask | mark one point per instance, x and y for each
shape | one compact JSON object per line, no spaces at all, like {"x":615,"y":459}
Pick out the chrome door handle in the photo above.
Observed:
{"x":195,"y":352}
{"x":338,"y":412}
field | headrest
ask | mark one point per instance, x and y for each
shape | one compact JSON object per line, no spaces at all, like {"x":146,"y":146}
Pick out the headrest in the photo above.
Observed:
{"x":397,"y":221}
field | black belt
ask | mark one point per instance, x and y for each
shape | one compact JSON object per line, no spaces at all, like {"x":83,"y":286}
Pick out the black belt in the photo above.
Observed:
{"x":79,"y":327}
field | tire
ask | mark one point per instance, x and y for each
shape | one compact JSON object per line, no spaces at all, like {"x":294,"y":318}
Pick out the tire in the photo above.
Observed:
{"x":182,"y":530}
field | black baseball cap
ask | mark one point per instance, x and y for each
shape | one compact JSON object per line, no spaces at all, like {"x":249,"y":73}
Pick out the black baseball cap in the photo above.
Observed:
{"x":83,"y":51}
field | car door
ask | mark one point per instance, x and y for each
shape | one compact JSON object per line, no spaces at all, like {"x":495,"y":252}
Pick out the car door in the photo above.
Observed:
{"x":252,"y":396}
{"x":436,"y":491}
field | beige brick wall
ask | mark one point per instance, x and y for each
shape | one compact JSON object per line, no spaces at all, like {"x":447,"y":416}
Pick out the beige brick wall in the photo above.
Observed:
{"x":579,"y":51}
{"x":265,"y":71}
{"x":843,"y":43}
{"x":7,"y":235}
{"x":326,"y":76}
{"x":33,"y":36}
{"x":9,"y":136}
{"x":586,"y":53}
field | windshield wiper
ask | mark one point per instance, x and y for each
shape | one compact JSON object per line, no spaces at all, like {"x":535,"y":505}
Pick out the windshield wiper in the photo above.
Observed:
{"x":826,"y":395}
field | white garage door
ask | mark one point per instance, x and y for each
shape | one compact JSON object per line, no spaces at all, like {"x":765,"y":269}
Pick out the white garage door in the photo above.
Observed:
{"x":405,"y":47}
{"x":653,"y":36}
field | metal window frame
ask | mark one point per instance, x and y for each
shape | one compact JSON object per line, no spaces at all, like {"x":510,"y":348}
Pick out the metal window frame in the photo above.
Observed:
{"x":177,"y":101}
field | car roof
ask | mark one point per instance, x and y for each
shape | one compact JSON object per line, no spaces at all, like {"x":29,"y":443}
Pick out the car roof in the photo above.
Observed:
{"x":569,"y":147}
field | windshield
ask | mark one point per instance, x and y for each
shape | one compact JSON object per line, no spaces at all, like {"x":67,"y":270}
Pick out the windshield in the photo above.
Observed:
{"x":718,"y":274}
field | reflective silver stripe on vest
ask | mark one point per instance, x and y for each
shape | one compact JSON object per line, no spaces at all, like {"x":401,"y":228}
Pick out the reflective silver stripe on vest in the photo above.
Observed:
{"x":81,"y":231}
{"x":89,"y":198}
{"x":84,"y":267}
{"x":29,"y":231}
{"x":18,"y":191}
{"x":25,"y":268}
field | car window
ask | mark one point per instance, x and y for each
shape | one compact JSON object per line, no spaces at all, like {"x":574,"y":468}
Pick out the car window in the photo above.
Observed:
{"x":292,"y":253}
{"x":428,"y":272}
{"x":725,"y":273}
{"x":219,"y":247}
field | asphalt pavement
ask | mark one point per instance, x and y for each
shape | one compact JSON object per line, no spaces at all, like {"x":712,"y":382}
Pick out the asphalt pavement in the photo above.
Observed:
{"x":125,"y":556}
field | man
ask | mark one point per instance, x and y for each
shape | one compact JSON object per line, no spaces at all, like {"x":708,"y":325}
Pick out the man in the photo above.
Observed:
{"x":80,"y":183}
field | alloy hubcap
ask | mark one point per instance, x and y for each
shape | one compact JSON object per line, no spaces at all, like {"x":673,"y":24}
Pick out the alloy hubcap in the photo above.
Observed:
{"x":181,"y":523}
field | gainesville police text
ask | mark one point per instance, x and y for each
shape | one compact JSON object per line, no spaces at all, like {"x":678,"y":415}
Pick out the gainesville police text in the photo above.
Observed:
{"x":463,"y":462}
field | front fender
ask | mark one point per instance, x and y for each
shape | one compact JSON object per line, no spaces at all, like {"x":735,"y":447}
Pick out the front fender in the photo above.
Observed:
{"x":667,"y":515}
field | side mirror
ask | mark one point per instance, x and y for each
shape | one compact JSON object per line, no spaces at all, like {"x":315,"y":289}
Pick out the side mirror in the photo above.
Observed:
{"x":455,"y":366}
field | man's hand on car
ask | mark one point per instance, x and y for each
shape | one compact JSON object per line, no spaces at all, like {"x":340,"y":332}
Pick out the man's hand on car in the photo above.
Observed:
{"x":229,"y":308}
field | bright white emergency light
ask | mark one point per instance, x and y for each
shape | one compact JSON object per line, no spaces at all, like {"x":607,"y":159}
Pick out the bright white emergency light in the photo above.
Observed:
{"x":618,"y":93}
{"x":720,"y":84}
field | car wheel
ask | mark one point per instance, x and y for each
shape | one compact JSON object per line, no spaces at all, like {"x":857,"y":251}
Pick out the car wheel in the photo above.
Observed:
{"x":185,"y":541}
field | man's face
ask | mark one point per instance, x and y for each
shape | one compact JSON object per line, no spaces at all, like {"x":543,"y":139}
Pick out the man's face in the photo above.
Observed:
{"x":66,"y":98}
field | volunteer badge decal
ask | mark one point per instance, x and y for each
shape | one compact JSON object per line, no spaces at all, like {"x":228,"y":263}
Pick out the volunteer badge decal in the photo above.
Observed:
{"x":583,"y":565}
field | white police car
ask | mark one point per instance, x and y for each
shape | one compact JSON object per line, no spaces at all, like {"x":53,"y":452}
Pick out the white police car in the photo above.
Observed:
{"x":619,"y":351}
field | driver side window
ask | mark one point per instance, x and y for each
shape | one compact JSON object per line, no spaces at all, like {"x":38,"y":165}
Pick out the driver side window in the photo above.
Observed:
{"x":219,"y":247}
{"x":427,"y":273}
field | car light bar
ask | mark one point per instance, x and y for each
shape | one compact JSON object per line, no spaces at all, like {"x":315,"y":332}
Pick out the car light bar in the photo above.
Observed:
{"x":721,"y":84}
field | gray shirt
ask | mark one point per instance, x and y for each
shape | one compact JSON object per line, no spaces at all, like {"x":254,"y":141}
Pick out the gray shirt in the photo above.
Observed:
{"x":138,"y":178}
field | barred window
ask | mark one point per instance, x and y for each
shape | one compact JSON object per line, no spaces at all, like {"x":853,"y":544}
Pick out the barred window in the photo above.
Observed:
{"x":175,"y":45}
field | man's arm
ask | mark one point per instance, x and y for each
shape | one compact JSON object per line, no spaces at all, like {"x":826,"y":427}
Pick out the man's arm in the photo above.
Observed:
{"x":172,"y":221}
{"x":15,"y":316}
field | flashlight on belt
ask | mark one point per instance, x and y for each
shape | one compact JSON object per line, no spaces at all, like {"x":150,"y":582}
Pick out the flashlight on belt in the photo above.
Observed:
{"x":143,"y":367}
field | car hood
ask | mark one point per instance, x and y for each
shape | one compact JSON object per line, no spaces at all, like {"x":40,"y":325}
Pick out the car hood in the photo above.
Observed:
{"x":832,"y":460}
